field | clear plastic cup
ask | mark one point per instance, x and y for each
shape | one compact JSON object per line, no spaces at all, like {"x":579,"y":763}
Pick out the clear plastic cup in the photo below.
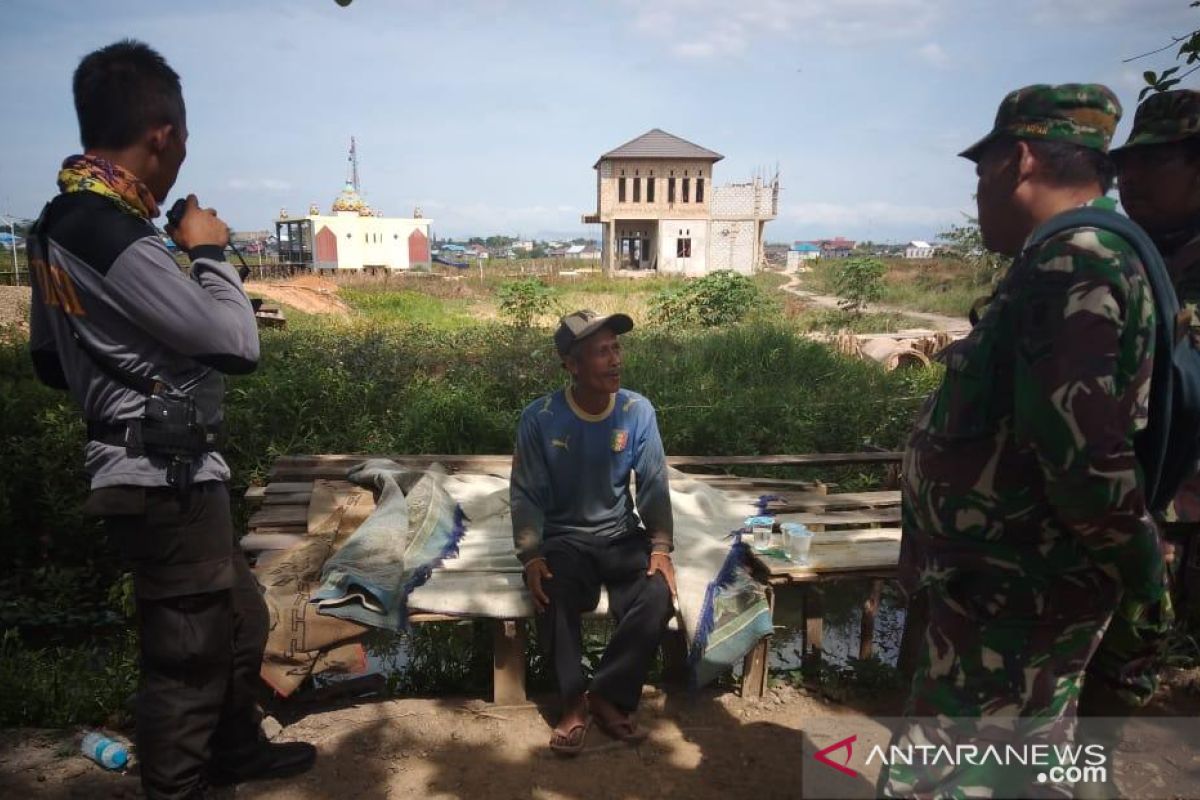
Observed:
{"x":761,"y":527}
{"x":798,"y":540}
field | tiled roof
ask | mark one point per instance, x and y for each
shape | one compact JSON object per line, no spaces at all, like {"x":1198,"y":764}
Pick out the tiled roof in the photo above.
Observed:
{"x":658,"y":143}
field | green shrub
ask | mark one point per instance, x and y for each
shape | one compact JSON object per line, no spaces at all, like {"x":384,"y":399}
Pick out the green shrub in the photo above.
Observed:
{"x":858,"y":281}
{"x":522,"y":301}
{"x":65,"y":685}
{"x":718,"y":299}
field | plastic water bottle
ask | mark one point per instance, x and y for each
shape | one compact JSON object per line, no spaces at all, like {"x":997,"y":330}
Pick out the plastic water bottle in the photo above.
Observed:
{"x":108,"y":753}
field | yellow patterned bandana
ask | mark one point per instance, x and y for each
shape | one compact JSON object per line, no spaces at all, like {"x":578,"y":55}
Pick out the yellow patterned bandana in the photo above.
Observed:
{"x":95,"y":174}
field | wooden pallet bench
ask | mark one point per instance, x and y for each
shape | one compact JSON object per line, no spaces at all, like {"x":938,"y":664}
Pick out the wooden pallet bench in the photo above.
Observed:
{"x":853,"y":542}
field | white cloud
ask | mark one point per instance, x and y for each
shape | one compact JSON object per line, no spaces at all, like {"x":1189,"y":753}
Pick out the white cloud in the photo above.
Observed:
{"x":934,"y":55}
{"x":709,"y":28}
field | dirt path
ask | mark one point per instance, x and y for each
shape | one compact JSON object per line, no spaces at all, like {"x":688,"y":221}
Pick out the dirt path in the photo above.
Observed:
{"x":306,"y":293}
{"x":704,"y":746}
{"x":939,"y":322}
{"x":710,"y":746}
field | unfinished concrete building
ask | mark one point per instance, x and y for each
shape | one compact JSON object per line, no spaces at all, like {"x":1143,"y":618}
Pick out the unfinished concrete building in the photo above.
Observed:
{"x":658,"y":209}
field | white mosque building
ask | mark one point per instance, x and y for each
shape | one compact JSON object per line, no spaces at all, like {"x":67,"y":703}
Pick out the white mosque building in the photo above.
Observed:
{"x":353,"y":236}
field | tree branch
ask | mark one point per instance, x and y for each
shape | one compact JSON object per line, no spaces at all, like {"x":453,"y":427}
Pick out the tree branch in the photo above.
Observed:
{"x":1174,"y":41}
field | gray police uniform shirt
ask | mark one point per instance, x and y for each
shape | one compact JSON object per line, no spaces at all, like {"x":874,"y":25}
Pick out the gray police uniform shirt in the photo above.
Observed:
{"x":111,"y":273}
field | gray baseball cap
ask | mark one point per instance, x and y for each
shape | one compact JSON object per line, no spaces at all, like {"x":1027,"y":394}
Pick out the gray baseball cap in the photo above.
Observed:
{"x":581,"y":324}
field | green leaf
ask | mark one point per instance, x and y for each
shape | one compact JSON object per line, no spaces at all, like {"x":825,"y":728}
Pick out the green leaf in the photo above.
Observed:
{"x":1150,"y":76}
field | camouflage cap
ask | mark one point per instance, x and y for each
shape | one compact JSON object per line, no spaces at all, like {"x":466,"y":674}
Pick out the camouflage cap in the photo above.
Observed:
{"x":1164,"y":118}
{"x":1085,"y":114}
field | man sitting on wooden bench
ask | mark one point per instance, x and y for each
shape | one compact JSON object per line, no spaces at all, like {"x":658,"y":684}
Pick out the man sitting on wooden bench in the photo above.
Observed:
{"x":576,"y":530}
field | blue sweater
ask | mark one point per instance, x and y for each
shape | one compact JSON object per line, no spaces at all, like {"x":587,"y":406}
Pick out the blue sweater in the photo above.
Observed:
{"x":571,"y":473}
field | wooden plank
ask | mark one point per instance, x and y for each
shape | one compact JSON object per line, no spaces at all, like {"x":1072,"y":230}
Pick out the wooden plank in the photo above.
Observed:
{"x":508,"y":662}
{"x":297,"y":499}
{"x":799,"y":502}
{"x":848,"y":536}
{"x":256,"y":542}
{"x":754,"y":670}
{"x":858,"y":517}
{"x":801,"y":459}
{"x":279,"y":515}
{"x":288,"y":487}
{"x":288,"y":529}
{"x":308,"y":467}
{"x":871,"y":556}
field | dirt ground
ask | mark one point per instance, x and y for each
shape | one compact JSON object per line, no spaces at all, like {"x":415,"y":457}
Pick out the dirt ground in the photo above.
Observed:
{"x":307,"y":293}
{"x":706,"y":745}
{"x":702,"y":746}
{"x":14,"y":306}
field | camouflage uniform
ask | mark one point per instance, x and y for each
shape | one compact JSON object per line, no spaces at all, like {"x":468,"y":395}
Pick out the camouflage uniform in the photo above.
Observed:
{"x":1024,"y":516}
{"x":1124,"y":672}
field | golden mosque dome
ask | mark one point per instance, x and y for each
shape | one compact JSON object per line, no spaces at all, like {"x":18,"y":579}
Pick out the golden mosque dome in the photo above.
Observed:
{"x":348,"y":200}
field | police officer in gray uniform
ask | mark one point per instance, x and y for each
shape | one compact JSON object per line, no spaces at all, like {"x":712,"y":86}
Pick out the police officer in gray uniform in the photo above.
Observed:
{"x":141,"y":348}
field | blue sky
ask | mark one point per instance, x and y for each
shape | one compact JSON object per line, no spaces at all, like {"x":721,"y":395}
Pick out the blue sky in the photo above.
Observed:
{"x":490,"y":113}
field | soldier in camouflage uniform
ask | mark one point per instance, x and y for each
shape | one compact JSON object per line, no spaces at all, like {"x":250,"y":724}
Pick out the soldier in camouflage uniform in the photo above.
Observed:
{"x":1159,"y":178}
{"x":1159,"y":172}
{"x":1024,"y":513}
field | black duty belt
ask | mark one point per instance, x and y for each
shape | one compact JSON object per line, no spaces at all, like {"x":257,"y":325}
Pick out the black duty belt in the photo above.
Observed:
{"x":203,"y":438}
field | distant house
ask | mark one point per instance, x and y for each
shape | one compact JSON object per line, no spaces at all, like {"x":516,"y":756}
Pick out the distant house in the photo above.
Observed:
{"x":587,"y":252}
{"x":659,"y":209}
{"x":801,"y":252}
{"x":477,"y":250}
{"x":836,"y":248}
{"x":918,"y":249}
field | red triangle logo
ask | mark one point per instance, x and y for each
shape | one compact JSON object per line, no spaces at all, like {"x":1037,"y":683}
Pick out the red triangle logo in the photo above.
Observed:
{"x":848,"y":744}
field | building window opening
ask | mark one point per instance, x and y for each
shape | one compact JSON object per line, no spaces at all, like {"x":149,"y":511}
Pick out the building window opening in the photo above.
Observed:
{"x":650,"y":190}
{"x":683,"y":247}
{"x":637,"y":190}
{"x":699,"y":190}
{"x":620,"y":190}
{"x":687,"y":186}
{"x":670,"y":190}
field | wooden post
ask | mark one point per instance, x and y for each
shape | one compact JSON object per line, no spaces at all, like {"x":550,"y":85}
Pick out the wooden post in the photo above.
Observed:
{"x":870,"y":607}
{"x":508,"y":662}
{"x":814,"y":624}
{"x":754,"y":667}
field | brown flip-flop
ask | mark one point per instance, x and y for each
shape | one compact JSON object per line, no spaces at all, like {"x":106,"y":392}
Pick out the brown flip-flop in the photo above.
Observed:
{"x":571,"y":743}
{"x":625,"y":730}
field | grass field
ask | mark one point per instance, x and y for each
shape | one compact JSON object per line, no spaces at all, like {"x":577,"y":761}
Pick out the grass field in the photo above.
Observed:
{"x":940,"y":286}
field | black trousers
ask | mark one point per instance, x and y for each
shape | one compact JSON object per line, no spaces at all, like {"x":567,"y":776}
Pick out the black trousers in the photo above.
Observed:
{"x":202,"y":624}
{"x":581,"y":565}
